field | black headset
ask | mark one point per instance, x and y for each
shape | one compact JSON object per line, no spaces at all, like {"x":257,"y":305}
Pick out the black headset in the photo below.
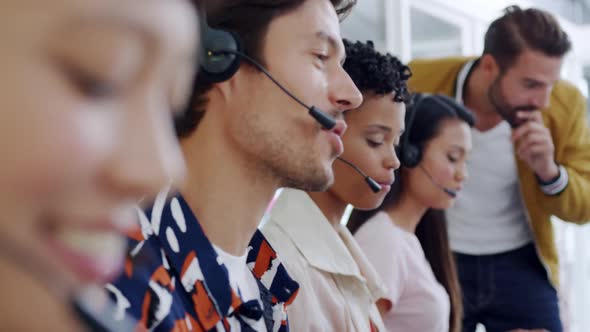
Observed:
{"x":221,"y":55}
{"x":408,"y":153}
{"x":219,"y":59}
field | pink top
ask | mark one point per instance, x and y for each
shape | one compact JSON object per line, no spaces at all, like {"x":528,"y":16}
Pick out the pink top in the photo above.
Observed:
{"x":420,"y":303}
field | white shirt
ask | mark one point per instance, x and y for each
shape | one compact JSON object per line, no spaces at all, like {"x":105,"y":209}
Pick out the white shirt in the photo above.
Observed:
{"x":420,"y":302}
{"x":489,"y":216}
{"x":338,"y":286}
{"x":243,"y":281}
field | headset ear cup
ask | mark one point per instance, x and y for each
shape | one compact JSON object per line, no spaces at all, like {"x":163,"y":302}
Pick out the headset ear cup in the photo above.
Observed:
{"x":219,"y":67}
{"x":411,"y":156}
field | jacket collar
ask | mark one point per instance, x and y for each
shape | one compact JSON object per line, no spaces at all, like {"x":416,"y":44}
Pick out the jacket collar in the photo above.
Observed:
{"x":311,"y":232}
{"x":193,"y":257}
{"x":462,"y":78}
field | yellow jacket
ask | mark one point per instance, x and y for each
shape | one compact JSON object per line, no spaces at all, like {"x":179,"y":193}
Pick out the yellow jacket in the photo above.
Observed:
{"x":566,"y":119}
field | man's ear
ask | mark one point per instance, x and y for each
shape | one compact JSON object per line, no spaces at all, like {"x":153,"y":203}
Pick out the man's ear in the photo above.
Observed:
{"x":227,"y":89}
{"x":490,"y":66}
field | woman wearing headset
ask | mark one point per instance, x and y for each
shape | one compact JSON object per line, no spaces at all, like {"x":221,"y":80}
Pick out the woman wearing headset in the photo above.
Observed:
{"x":338,"y":286}
{"x":405,"y":238}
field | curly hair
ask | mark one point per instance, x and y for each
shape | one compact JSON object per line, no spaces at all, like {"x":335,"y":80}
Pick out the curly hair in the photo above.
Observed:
{"x":374,"y":72}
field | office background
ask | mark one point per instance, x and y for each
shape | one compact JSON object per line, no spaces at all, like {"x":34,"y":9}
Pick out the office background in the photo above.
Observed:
{"x":432,"y":28}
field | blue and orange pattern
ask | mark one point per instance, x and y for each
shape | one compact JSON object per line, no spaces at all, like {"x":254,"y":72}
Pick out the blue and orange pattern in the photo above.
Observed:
{"x":173,"y":280}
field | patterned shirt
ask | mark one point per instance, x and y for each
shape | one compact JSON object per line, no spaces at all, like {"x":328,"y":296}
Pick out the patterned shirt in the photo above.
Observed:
{"x":174,"y":281}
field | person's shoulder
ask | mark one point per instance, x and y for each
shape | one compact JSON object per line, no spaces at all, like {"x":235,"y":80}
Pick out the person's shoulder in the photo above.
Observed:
{"x":565,"y":87}
{"x":378,"y":223}
{"x":421,"y":63}
{"x":379,"y":232}
{"x":437,"y":66}
{"x":144,"y":271}
{"x":566,"y":102}
{"x":435,"y":75}
{"x":564,"y":93}
{"x":285,"y":248}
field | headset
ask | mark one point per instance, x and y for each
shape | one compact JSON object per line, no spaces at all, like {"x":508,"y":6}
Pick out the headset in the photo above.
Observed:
{"x":220,"y":59}
{"x":410,"y":154}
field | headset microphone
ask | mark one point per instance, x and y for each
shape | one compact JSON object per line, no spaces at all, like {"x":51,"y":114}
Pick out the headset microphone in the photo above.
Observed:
{"x":222,"y":54}
{"x":448,"y":191}
{"x":375,"y":187}
{"x":410,"y":154}
{"x":324,"y":119}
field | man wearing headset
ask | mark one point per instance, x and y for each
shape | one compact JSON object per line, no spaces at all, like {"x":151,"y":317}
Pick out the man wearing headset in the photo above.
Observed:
{"x":199,"y":263}
{"x":523,"y":170}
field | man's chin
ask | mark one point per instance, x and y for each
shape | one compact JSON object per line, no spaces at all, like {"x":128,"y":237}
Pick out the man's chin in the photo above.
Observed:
{"x":318,"y":185}
{"x":326,"y":185}
{"x":508,"y":116}
{"x":313,"y":181}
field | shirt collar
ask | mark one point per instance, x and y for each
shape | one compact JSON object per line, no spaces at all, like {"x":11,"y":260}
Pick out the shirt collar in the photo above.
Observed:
{"x":311,"y":232}
{"x":185,"y":243}
{"x":462,"y":78}
{"x":190,"y":253}
{"x":375,"y":284}
{"x":268,"y":269}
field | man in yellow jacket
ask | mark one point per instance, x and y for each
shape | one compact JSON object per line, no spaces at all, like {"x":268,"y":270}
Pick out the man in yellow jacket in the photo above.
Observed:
{"x":530,"y":160}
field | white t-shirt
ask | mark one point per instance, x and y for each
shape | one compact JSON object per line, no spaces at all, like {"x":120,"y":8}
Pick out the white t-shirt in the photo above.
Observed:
{"x":489,"y":216}
{"x":420,"y":303}
{"x":243,"y":282}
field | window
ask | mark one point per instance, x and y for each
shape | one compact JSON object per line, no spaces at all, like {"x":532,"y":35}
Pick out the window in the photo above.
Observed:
{"x":433,"y":36}
{"x":366,"y":22}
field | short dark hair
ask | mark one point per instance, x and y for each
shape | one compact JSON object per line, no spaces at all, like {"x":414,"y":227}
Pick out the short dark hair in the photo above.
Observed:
{"x":519,"y":29}
{"x":249,"y":19}
{"x":375,"y":72}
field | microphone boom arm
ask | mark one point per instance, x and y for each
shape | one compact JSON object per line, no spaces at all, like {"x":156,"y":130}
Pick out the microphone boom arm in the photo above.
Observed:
{"x":324,"y":119}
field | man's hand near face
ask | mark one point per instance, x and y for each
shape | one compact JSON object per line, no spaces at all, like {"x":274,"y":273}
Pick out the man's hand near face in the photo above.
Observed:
{"x":534,"y":145}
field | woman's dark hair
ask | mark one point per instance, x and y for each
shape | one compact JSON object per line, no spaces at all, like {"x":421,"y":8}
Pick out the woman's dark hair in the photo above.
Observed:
{"x":374,"y":72}
{"x":432,"y":228}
